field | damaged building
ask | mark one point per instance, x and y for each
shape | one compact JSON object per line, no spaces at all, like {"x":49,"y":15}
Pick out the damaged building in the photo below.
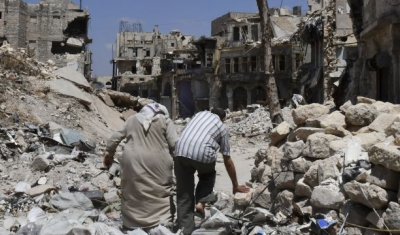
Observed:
{"x":328,"y":31}
{"x":54,"y":30}
{"x":144,"y":62}
{"x":240,"y":68}
{"x":224,"y":69}
{"x":377,"y":67}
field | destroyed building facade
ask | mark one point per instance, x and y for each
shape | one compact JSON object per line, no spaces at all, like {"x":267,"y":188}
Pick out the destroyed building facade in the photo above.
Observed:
{"x":54,"y":30}
{"x":377,"y":69}
{"x":328,"y":32}
{"x":145,"y":61}
{"x":240,"y":65}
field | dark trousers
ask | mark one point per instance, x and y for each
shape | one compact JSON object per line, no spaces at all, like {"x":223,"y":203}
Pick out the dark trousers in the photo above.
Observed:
{"x":185,"y":169}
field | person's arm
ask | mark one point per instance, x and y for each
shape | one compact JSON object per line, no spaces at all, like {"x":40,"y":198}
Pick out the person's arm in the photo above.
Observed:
{"x":112,"y":145}
{"x":230,"y":168}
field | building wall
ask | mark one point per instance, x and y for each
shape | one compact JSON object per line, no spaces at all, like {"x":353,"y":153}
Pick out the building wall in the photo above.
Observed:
{"x":218,"y":24}
{"x":15,"y":23}
{"x":37,"y":27}
{"x":377,"y":70}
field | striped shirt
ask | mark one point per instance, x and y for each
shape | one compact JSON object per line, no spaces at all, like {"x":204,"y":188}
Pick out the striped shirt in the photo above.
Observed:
{"x":202,"y":137}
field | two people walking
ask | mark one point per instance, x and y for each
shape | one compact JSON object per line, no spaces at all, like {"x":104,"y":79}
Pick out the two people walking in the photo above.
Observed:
{"x":153,"y":152}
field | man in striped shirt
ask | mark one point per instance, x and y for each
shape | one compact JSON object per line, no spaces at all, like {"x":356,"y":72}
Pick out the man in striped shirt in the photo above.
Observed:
{"x":196,"y":150}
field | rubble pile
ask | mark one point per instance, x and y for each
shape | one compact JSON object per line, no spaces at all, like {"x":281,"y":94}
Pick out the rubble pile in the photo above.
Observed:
{"x":334,"y":167}
{"x":250,"y":122}
{"x":123,"y":102}
{"x":15,"y":62}
{"x":333,"y":172}
{"x":52,"y":134}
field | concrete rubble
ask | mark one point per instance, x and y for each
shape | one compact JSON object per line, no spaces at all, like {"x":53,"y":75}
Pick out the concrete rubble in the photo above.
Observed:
{"x":342,"y":177}
{"x":322,"y":167}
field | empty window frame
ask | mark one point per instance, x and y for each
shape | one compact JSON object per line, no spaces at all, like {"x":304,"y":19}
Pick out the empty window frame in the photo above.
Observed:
{"x":262,"y":63}
{"x":254,"y":32}
{"x":245,"y":31}
{"x":236,"y":34}
{"x":253,"y":63}
{"x":245,"y":67}
{"x":148,"y":52}
{"x":134,"y":52}
{"x":273,"y":62}
{"x":172,"y":44}
{"x":298,"y":60}
{"x":227,"y":65}
{"x":236,"y":65}
{"x":209,"y":60}
{"x":281,"y":63}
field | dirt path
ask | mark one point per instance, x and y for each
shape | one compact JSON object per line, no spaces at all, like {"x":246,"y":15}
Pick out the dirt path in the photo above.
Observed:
{"x":243,"y":157}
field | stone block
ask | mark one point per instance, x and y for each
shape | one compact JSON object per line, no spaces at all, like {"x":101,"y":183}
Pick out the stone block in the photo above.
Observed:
{"x":284,"y":180}
{"x":243,"y":199}
{"x":375,"y":197}
{"x":385,"y":155}
{"x":279,"y":133}
{"x":292,"y":150}
{"x":361,"y":114}
{"x":301,"y":114}
{"x":317,"y":145}
{"x":40,"y":163}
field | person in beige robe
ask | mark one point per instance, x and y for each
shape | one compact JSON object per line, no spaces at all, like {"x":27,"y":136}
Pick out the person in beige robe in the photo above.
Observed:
{"x":146,"y":167}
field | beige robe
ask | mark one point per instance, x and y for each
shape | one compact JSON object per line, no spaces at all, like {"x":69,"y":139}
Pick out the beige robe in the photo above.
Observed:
{"x":146,"y":171}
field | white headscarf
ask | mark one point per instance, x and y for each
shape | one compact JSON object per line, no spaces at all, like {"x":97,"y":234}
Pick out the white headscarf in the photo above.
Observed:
{"x":151,"y":112}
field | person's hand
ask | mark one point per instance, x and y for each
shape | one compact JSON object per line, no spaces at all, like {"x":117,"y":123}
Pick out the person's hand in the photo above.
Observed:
{"x":108,"y":161}
{"x":241,"y":189}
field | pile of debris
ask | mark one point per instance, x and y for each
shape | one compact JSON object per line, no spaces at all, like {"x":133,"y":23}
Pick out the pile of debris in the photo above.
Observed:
{"x":252,"y":121}
{"x":335,"y":172}
{"x":123,"y":102}
{"x":52,"y":134}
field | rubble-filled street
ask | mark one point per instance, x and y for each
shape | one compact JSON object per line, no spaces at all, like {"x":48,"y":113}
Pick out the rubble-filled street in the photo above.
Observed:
{"x":288,"y":120}
{"x":321,"y":169}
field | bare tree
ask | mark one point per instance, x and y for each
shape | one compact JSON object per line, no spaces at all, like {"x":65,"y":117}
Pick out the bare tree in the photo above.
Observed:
{"x":272,"y":90}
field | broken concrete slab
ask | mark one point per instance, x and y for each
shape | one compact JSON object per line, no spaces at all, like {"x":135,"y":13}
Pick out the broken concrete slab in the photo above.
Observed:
{"x":361,"y":114}
{"x":335,"y":119}
{"x":375,"y":197}
{"x":40,"y":163}
{"x":279,"y":133}
{"x":293,"y":150}
{"x":67,"y":88}
{"x":67,"y":200}
{"x":317,"y":145}
{"x":73,"y":76}
{"x":243,"y":199}
{"x":126,"y":114}
{"x":35,"y":191}
{"x":301,"y":114}
{"x":382,"y":177}
{"x":385,"y":155}
{"x":392,"y":216}
{"x":74,"y":42}
{"x":327,"y":197}
{"x":107,"y":99}
{"x":303,"y":133}
{"x":383,"y":122}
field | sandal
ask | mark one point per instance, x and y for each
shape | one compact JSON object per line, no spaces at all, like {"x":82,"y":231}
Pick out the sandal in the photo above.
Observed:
{"x":199,"y":214}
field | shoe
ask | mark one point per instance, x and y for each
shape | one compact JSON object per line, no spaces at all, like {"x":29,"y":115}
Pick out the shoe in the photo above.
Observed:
{"x":199,"y":214}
